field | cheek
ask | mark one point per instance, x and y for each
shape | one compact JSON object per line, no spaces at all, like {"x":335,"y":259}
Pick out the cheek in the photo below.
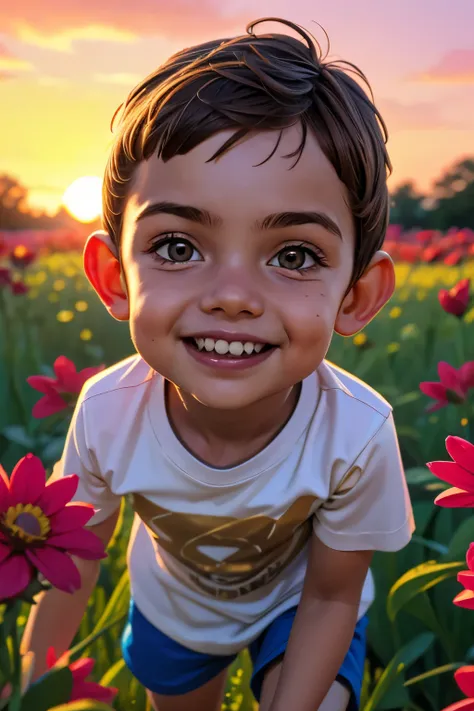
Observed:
{"x":310,"y":318}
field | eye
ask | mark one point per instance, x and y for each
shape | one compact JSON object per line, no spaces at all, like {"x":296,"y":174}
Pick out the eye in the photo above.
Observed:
{"x":175,"y":249}
{"x":298,"y":258}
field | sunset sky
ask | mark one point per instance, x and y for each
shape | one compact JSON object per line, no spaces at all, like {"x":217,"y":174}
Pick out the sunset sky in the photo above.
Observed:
{"x":66,"y":65}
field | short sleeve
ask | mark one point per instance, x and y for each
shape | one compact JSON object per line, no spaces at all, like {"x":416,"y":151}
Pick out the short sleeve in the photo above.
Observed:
{"x":77,"y":458}
{"x":370,"y":508}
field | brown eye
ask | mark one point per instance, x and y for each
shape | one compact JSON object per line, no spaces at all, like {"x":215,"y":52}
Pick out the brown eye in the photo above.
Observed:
{"x":292,"y":258}
{"x":176,"y":250}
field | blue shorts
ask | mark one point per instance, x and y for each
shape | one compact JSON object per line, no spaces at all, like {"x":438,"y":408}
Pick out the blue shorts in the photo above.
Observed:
{"x":167,"y":667}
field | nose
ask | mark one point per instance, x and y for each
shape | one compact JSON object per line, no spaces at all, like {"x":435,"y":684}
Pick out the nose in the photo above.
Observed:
{"x":234,"y":293}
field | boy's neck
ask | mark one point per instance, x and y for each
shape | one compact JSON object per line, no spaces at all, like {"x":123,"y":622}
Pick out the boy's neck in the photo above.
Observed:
{"x":225,"y":438}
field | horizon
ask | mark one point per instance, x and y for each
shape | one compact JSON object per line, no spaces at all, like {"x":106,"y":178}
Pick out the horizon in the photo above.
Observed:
{"x":65,"y":68}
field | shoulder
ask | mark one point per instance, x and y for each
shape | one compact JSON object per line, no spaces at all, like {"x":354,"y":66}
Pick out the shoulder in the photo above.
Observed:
{"x":342,"y":387}
{"x":119,"y":380}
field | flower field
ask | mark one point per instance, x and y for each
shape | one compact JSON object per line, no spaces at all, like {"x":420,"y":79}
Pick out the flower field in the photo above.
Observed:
{"x":417,"y":637}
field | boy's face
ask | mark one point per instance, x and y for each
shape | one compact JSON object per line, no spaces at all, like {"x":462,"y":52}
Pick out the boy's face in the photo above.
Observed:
{"x":229,"y":269}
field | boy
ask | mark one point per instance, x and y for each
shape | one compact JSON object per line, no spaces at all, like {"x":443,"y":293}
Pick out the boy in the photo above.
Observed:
{"x":245,"y":205}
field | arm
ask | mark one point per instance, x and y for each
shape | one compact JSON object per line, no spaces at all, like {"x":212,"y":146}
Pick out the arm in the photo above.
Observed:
{"x":54,"y":621}
{"x":323,"y":627}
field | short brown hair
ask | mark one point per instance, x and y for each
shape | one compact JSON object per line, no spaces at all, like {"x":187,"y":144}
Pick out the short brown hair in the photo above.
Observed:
{"x":258,"y":82}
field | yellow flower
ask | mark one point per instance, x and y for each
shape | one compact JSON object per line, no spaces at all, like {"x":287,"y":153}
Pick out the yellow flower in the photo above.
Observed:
{"x":410,"y":330}
{"x":41,"y":278}
{"x":464,"y":421}
{"x":360,"y":339}
{"x":85,"y":334}
{"x":59,"y":284}
{"x":33,"y":294}
{"x":469,"y":316}
{"x":421,"y":294}
{"x":53,"y":297}
{"x":82,"y":305}
{"x":393,"y":347}
{"x":64,"y":316}
{"x":395,"y":312}
{"x":70,"y":271}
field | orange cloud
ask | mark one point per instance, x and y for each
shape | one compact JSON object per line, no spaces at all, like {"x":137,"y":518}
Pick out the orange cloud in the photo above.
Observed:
{"x":187,"y":19}
{"x":10,"y":65}
{"x":456,"y":67}
{"x":417,"y":116}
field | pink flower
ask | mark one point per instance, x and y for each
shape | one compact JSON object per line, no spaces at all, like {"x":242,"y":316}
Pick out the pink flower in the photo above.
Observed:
{"x":81,"y":688}
{"x":459,"y":472}
{"x":40,"y":529}
{"x":466,"y":578}
{"x":57,"y":391}
{"x":453,"y":386}
{"x":456,"y":300}
{"x":465,"y":680}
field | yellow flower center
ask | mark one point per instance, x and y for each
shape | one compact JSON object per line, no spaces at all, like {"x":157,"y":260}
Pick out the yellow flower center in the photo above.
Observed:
{"x":27,"y":523}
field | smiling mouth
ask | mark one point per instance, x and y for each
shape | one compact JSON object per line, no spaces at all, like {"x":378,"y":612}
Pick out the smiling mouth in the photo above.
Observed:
{"x":228,"y":349}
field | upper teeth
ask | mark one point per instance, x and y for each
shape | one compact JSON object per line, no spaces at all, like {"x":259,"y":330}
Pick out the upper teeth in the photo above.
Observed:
{"x":233,"y":347}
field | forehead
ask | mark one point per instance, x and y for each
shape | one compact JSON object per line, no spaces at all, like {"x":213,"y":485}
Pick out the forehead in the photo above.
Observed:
{"x":235,"y":188}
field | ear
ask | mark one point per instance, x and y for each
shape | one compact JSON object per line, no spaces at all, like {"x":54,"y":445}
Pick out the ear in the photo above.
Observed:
{"x":102,"y":268}
{"x":367,"y":297}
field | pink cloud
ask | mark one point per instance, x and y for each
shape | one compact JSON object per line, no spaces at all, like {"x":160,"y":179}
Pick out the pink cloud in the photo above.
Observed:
{"x":186,"y":19}
{"x":456,"y":67}
{"x":415,"y":116}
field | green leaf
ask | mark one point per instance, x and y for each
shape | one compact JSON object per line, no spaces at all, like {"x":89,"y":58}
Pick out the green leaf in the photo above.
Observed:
{"x":402,"y":659}
{"x":460,"y":542}
{"x":18,"y":434}
{"x":431,"y":545}
{"x":83,"y":705}
{"x":419,"y":476}
{"x":434,"y":672}
{"x":407,"y":398}
{"x":112,"y":676}
{"x":417,"y":580}
{"x":52,"y":689}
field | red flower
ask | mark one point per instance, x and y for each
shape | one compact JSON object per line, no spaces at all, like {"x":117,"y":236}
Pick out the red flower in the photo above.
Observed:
{"x":18,"y":288}
{"x":57,"y":391}
{"x":40,"y":530}
{"x":465,"y":680}
{"x":21,"y":256}
{"x":454,"y":257}
{"x":456,"y":300}
{"x":466,"y":578}
{"x":82,"y":689}
{"x":460,"y":473}
{"x":5,"y":277}
{"x":453,"y":386}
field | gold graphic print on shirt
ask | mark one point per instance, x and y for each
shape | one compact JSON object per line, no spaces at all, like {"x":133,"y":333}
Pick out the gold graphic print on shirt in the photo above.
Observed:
{"x":228,"y":557}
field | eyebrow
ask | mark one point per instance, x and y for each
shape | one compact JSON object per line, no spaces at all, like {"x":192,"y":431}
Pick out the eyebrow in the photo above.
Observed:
{"x":203,"y":217}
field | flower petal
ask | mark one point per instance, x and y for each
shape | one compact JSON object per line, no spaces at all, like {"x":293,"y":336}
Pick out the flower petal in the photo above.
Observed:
{"x":51,"y":657}
{"x":464,"y":705}
{"x":465,"y":599}
{"x":470,"y":557}
{"x":4,"y":490}
{"x":43,"y":383}
{"x":466,"y":578}
{"x":57,"y":494}
{"x":71,"y":517}
{"x":455,"y":499}
{"x":57,"y":567}
{"x":5,"y":551}
{"x":452,"y":473}
{"x":461,"y":451}
{"x":81,"y":543}
{"x":466,"y":373}
{"x":66,"y":374}
{"x":27,"y":481}
{"x":48,"y":405}
{"x":435,"y":390}
{"x":90,"y":690}
{"x":465,"y":680}
{"x":81,"y":669}
{"x":15,"y":575}
{"x":449,"y":376}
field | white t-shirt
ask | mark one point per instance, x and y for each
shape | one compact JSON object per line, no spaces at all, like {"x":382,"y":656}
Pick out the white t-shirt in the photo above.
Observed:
{"x":217,"y":554}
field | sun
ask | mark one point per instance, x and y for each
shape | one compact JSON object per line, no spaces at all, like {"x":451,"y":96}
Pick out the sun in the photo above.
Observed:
{"x":83,"y":198}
